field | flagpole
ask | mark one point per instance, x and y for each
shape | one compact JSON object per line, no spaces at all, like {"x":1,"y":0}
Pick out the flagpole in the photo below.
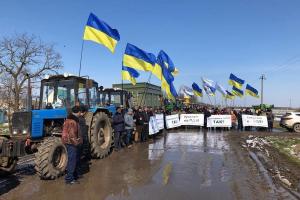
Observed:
{"x":81,"y":53}
{"x":146,"y":88}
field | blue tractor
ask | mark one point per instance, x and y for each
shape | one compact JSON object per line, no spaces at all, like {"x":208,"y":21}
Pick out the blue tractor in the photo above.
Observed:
{"x":38,"y":131}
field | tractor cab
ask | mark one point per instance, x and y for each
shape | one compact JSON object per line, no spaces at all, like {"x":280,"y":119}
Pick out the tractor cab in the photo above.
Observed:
{"x":115,"y":97}
{"x":65,"y":92}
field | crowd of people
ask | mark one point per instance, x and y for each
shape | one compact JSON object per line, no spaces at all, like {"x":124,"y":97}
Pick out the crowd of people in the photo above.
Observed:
{"x":132,"y":125}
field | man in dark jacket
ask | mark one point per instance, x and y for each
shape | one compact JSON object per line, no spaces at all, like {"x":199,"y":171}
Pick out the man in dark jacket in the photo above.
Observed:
{"x":145,"y":130}
{"x":71,"y":138}
{"x":119,"y":127}
{"x":139,"y":122}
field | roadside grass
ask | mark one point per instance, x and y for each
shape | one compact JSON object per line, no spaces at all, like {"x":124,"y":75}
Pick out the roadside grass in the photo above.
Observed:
{"x":286,"y":146}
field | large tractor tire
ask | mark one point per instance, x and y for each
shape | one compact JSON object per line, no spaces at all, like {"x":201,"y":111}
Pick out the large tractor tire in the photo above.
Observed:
{"x":7,"y":164}
{"x":101,"y":141}
{"x":51,"y":159}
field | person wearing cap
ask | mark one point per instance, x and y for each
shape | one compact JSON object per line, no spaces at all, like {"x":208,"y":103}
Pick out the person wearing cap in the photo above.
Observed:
{"x":71,"y":139}
{"x":129,"y":126}
{"x":119,"y":127}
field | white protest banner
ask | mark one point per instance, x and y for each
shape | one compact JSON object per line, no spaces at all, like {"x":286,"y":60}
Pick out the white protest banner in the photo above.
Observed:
{"x":192,"y":119}
{"x":219,"y":121}
{"x":172,"y":121}
{"x":160,"y":121}
{"x":153,"y":128}
{"x":257,"y":121}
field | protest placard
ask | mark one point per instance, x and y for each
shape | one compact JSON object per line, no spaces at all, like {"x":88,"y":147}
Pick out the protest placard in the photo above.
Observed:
{"x":256,"y":121}
{"x":192,"y":119}
{"x":219,"y":121}
{"x":172,"y":121}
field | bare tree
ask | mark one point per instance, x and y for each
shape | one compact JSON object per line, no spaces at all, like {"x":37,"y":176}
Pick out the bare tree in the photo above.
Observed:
{"x":23,"y":57}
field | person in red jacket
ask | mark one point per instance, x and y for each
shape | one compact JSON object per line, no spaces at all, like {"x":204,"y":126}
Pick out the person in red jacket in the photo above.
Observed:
{"x":71,"y":138}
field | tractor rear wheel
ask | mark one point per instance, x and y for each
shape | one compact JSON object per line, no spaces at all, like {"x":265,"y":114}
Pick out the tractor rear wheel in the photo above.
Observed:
{"x":7,"y":164}
{"x":101,"y":136}
{"x":51,"y":159}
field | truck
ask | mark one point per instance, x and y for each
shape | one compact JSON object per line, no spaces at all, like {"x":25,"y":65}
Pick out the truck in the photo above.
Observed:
{"x":38,"y":131}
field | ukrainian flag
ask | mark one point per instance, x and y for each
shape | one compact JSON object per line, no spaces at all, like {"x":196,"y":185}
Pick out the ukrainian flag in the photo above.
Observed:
{"x":167,"y":79}
{"x":168,"y":63}
{"x":235,"y":81}
{"x":139,"y":59}
{"x":129,"y":74}
{"x":229,"y":95}
{"x":100,"y":32}
{"x":237,"y":92}
{"x":197,"y":90}
{"x":251,"y":91}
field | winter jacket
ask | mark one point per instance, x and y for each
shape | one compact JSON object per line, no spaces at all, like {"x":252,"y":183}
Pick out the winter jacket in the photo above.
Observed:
{"x":118,"y":122}
{"x":129,"y":123}
{"x":139,"y":118}
{"x":71,"y":131}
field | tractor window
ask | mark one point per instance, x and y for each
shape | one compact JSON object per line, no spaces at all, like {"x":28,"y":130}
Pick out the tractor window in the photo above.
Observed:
{"x":116,"y":98}
{"x":93,"y":97}
{"x":82,"y":96}
{"x":48,"y":94}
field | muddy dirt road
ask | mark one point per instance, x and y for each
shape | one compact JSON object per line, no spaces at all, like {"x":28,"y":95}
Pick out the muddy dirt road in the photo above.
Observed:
{"x":186,"y":164}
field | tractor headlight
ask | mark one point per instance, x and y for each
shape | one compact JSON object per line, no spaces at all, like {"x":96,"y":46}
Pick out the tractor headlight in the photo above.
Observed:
{"x":24,"y":132}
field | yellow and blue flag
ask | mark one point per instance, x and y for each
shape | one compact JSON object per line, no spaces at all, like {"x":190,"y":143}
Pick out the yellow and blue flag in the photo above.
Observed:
{"x":168,"y":63}
{"x":251,"y":91}
{"x":229,"y":95}
{"x":166,"y":78}
{"x":138,"y":59}
{"x":237,"y":92}
{"x":129,"y":74}
{"x":98,"y":31}
{"x":197,"y":90}
{"x":235,"y":81}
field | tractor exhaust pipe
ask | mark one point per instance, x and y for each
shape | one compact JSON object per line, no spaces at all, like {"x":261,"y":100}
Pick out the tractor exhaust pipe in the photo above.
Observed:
{"x":29,"y":97}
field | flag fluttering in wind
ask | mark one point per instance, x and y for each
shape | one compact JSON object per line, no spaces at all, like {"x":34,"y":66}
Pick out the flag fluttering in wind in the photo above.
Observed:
{"x":235,"y":81}
{"x":251,"y":91}
{"x":166,"y":76}
{"x":208,"y":86}
{"x":229,"y":95}
{"x":186,"y":91}
{"x":197,"y":90}
{"x":138,"y":59}
{"x":168,"y":63}
{"x":221,"y":89}
{"x":98,"y":31}
{"x":237,"y":92}
{"x":129,"y":74}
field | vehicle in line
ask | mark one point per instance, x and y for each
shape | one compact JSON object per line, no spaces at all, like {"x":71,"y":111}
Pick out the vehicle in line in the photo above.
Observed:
{"x":291,"y":121}
{"x":38,"y":131}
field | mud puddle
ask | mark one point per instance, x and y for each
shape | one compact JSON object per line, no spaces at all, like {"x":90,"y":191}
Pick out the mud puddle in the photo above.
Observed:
{"x":184,"y":164}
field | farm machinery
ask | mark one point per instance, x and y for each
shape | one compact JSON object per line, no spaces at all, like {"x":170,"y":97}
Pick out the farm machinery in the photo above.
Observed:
{"x":39,"y":131}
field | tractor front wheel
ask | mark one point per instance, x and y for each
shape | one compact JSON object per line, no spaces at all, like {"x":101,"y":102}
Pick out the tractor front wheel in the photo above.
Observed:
{"x":51,"y":159}
{"x":101,"y":136}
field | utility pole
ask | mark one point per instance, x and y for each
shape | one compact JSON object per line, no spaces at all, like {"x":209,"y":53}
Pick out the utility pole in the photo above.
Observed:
{"x":262,"y":78}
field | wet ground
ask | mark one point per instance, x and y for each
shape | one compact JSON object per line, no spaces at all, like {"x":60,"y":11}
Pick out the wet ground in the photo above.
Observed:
{"x":185,"y":164}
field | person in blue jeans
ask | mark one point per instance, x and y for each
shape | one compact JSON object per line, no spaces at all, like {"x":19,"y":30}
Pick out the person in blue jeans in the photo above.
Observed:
{"x":71,"y":139}
{"x":129,"y":127}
